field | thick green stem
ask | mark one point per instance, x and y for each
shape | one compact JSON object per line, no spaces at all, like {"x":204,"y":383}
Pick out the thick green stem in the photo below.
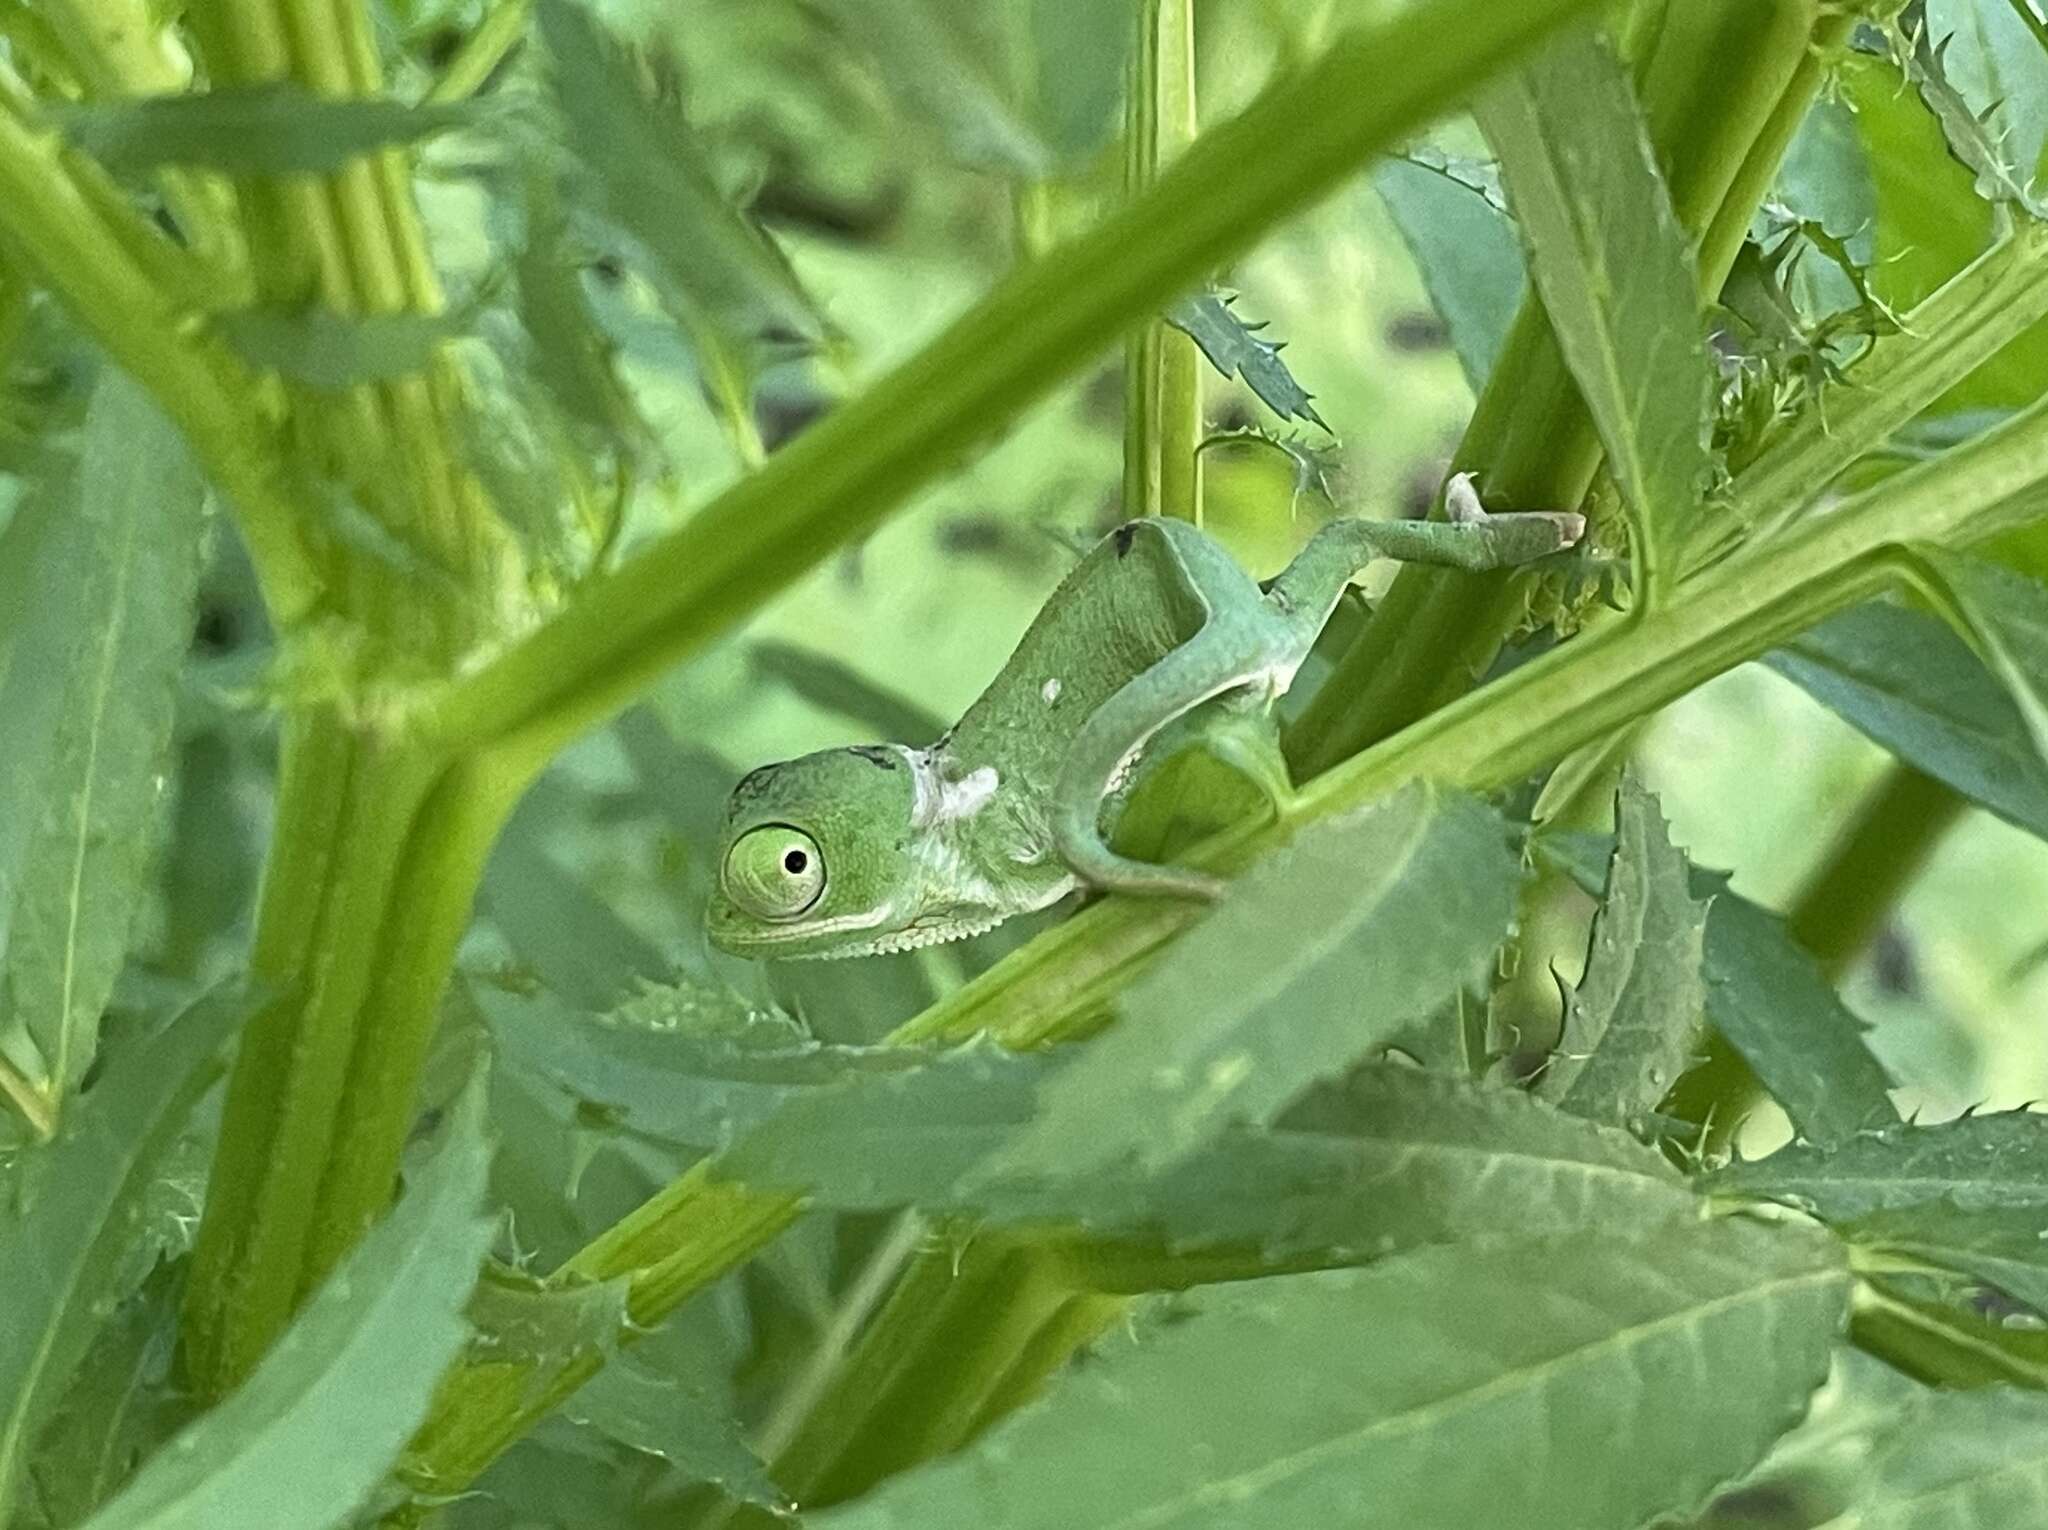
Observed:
{"x":346,"y":805}
{"x":1722,"y":89}
{"x":1162,"y":368}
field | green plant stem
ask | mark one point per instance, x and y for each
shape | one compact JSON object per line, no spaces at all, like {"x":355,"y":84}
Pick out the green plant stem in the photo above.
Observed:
{"x":502,"y":29}
{"x":57,"y":228}
{"x":1057,"y":986}
{"x":1918,"y":1342}
{"x":1162,"y":368}
{"x":1722,"y":90}
{"x":379,"y":843}
{"x":842,"y":476}
{"x":1879,"y":854}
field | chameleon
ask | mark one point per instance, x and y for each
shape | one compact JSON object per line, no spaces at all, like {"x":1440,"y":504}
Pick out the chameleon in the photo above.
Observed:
{"x":1154,"y":642}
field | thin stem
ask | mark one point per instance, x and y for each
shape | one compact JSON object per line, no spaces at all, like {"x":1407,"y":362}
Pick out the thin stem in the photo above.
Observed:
{"x":1163,"y":370}
{"x":842,"y":476}
{"x":502,"y":29}
{"x":1882,"y":851}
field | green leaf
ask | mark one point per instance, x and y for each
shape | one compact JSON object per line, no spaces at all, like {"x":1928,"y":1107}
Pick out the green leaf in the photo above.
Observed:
{"x":2006,"y":614}
{"x":123,"y":1405}
{"x":323,"y":349}
{"x":655,"y":183}
{"x":279,"y":128}
{"x":690,"y":1428}
{"x":574,"y":940}
{"x":319,"y":1422}
{"x":835,"y":687}
{"x":949,"y":65}
{"x":1960,"y":1461}
{"x":1633,"y":1023}
{"x":1321,"y":952}
{"x":1616,"y":274}
{"x":1769,"y":999}
{"x":1981,"y":1162}
{"x":1082,"y":49}
{"x":89,"y":707}
{"x":1235,"y":349}
{"x":689,"y":1065}
{"x":520,"y":1320}
{"x":1930,"y":223}
{"x":1907,"y":681}
{"x":2006,"y":1246}
{"x":572,"y":355}
{"x":1424,"y":1392}
{"x":1973,"y":138}
{"x":1766,"y":996}
{"x":1393,"y":1157}
{"x":65,"y":1255}
{"x":1465,"y":249}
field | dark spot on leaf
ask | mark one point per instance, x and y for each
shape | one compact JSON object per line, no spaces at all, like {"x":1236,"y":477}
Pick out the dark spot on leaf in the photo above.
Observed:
{"x":1417,"y":331}
{"x":875,"y":754}
{"x":1125,"y":535}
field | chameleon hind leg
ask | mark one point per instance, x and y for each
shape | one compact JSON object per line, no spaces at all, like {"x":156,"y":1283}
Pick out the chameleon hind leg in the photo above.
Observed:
{"x":1222,"y":657}
{"x":1306,"y":591}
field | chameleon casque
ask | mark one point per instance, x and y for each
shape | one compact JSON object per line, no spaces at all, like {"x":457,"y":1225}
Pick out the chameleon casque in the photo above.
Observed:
{"x":1155,"y":641}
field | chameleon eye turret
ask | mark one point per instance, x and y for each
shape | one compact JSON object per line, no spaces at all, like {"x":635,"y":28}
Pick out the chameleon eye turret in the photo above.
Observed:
{"x":774,"y":873}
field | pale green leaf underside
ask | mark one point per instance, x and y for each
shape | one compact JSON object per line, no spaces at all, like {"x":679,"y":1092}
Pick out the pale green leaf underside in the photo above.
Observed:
{"x":320,"y":1420}
{"x":1428,"y":1392}
{"x":1615,"y":271}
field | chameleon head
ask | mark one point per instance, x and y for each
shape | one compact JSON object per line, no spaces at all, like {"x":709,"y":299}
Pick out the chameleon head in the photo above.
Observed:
{"x":817,"y":856}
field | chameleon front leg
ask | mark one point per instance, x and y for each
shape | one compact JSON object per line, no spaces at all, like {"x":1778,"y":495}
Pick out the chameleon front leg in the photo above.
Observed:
{"x":1470,"y":539}
{"x":1225,"y":654}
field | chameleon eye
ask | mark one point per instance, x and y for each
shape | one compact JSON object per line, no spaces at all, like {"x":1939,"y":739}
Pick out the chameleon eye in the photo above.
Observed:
{"x":774,"y":873}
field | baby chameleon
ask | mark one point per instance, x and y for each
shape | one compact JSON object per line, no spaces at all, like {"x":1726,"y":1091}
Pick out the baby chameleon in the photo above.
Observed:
{"x":881,"y":847}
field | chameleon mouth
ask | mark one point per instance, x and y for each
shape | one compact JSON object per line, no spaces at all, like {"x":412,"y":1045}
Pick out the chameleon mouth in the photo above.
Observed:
{"x":912,"y":938}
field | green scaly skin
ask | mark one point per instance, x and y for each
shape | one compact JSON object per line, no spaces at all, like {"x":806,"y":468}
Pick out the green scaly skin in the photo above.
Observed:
{"x":882,"y":847}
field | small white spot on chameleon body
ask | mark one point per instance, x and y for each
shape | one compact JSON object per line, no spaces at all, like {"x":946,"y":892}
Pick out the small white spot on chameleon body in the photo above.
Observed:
{"x":941,"y":799}
{"x":1050,"y":690}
